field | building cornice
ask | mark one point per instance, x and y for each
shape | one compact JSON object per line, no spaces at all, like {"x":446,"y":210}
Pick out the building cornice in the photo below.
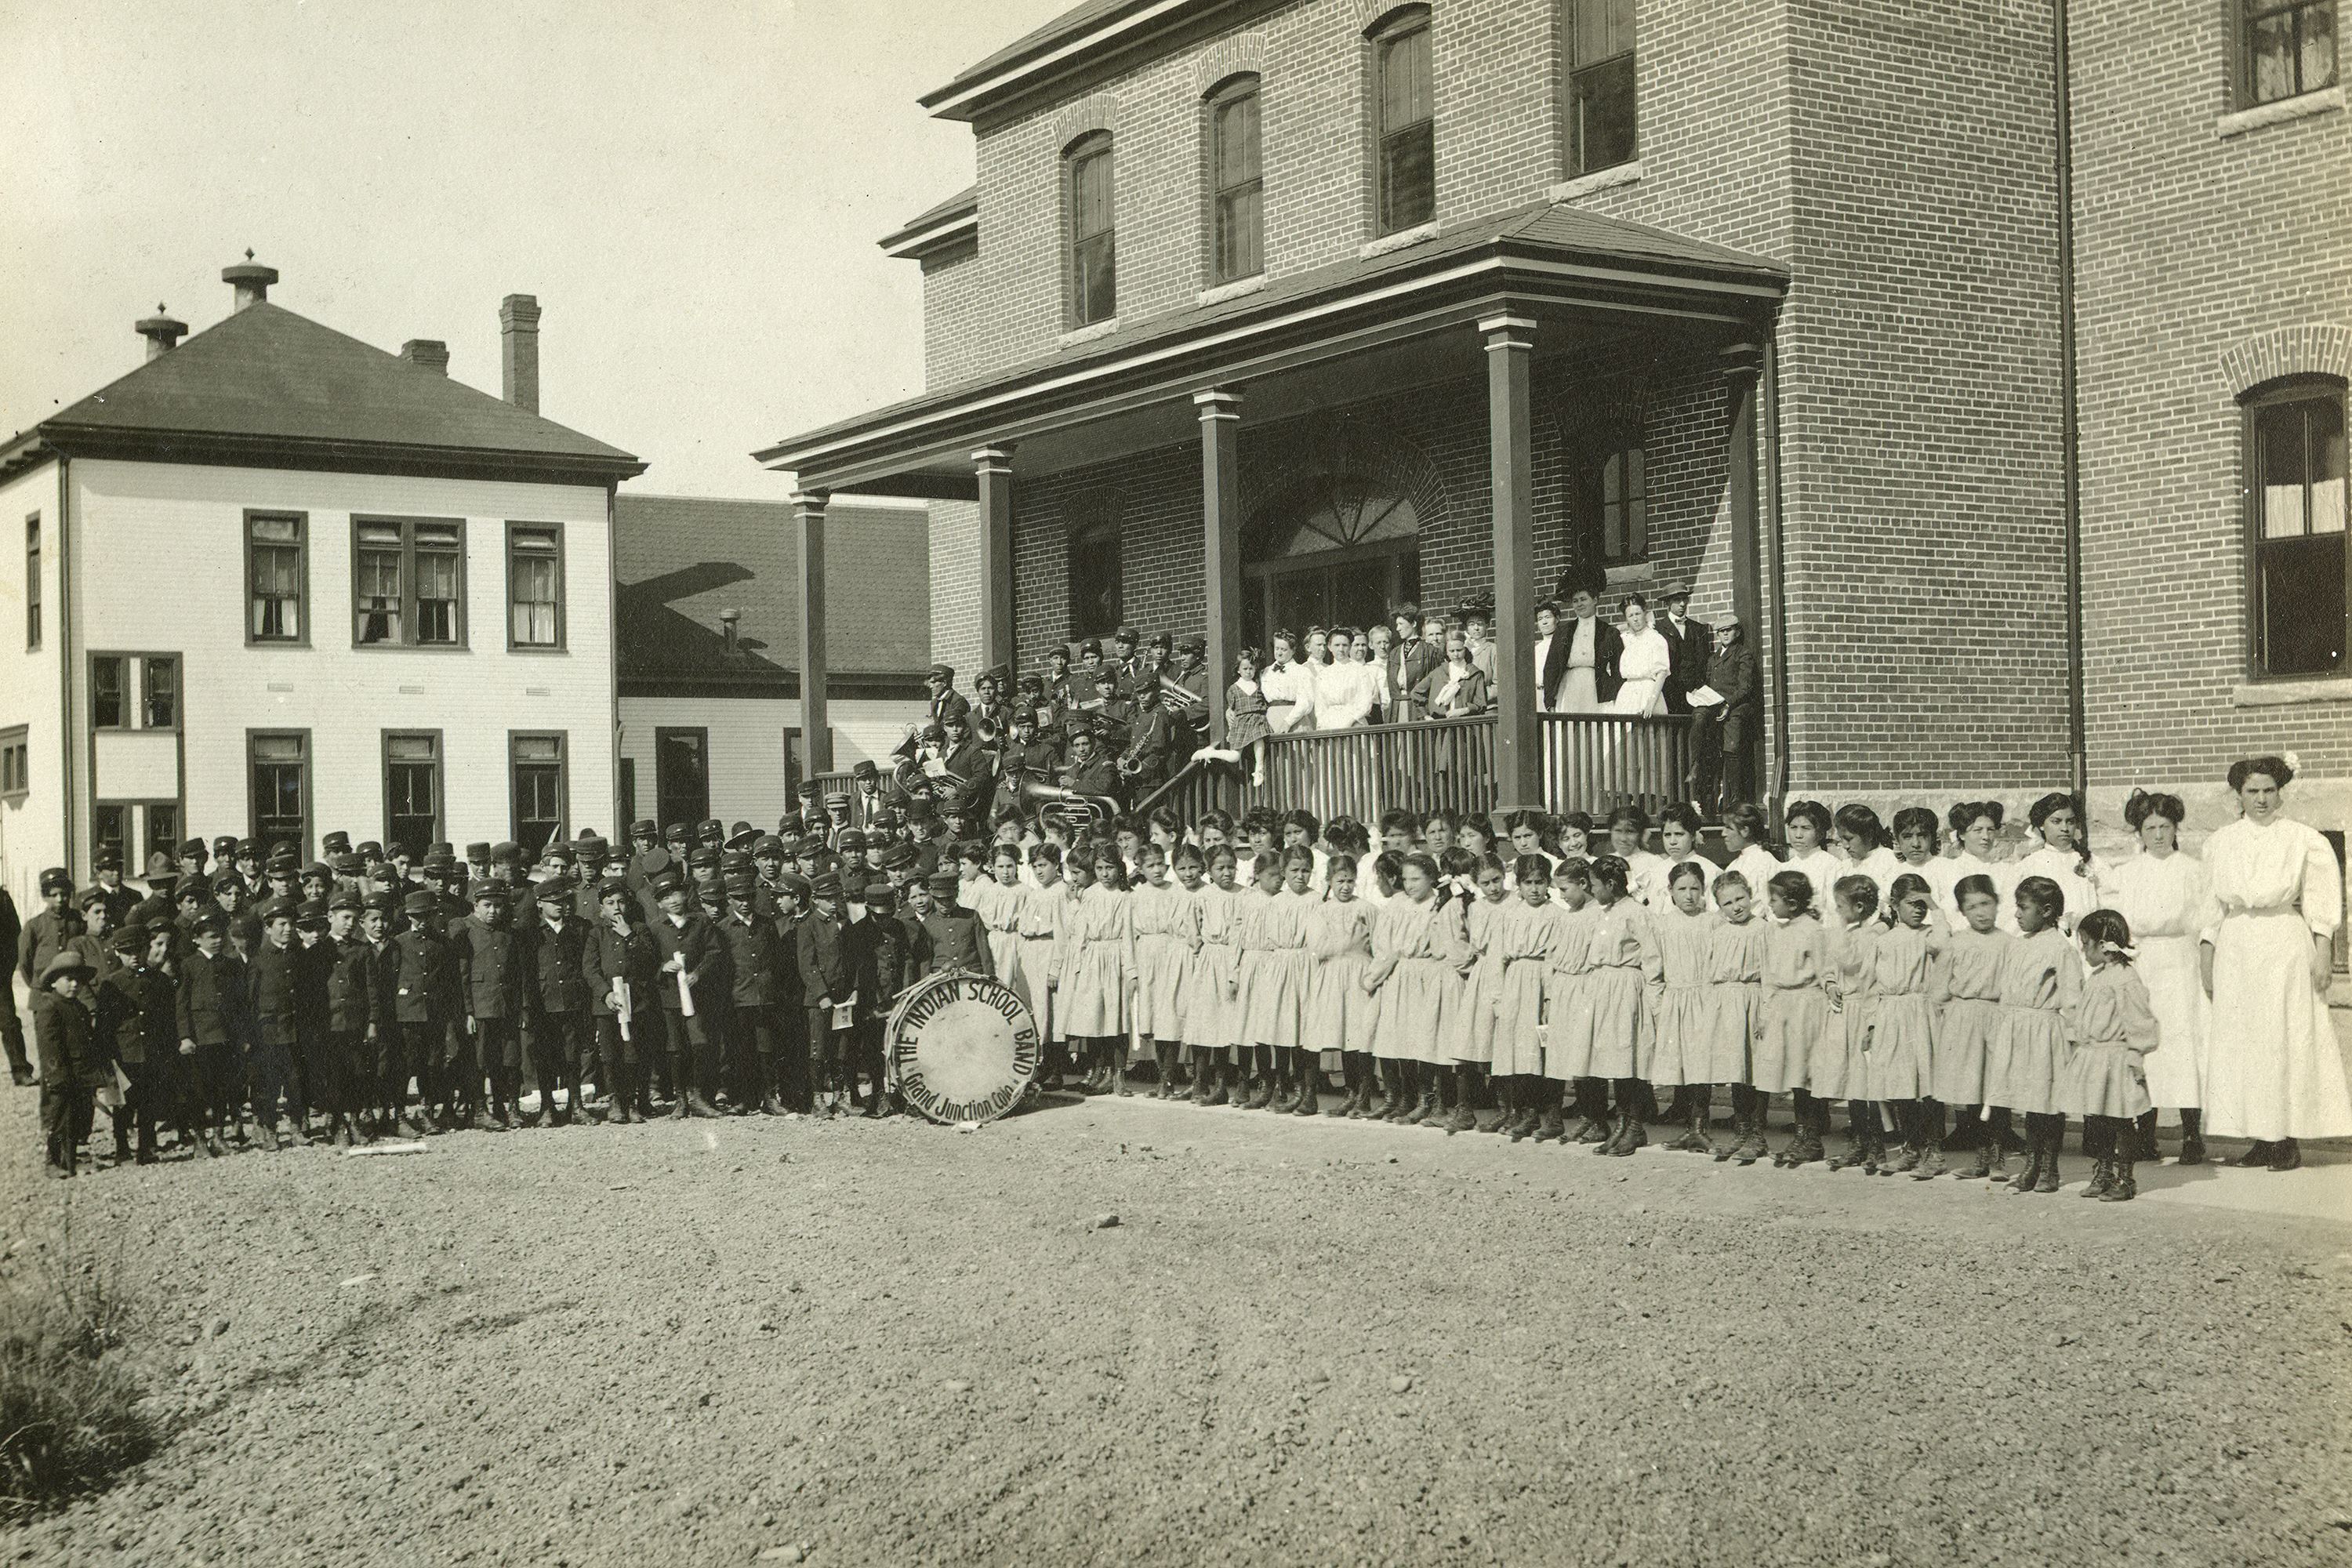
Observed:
{"x":218,"y":449}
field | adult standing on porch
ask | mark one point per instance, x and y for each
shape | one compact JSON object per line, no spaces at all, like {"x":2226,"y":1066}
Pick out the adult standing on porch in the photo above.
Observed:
{"x":1345,"y":691}
{"x":1411,"y":657}
{"x":2276,"y":1076}
{"x":1289,"y":689}
{"x":1691,"y":643}
{"x":1546,"y":629}
{"x":1720,"y":757}
{"x":1582,"y":668}
{"x":1644,"y":665}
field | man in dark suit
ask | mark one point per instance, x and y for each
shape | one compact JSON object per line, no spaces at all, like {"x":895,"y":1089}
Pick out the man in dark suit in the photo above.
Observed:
{"x":945,"y":698}
{"x":1691,"y":642}
{"x":1723,"y":737}
{"x":865,"y":799}
{"x":974,"y":768}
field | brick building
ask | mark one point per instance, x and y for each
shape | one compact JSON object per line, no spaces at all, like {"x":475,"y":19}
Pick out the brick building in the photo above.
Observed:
{"x":1230,"y":333}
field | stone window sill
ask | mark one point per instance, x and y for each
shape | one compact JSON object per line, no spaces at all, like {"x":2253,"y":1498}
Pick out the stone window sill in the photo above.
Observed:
{"x":1087,"y":334}
{"x":1639,"y":573}
{"x":2298,"y":107}
{"x":1397,"y":241}
{"x":2291,"y":693}
{"x":1599,"y":180}
{"x":1234,"y":291}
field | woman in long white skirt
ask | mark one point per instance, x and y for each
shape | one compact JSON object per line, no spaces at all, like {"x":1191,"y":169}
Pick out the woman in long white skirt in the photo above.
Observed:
{"x":2162,"y":894}
{"x":2276,"y":1076}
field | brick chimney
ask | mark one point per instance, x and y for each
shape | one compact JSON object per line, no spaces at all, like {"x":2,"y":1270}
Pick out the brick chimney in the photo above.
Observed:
{"x":250,"y":280}
{"x":162,"y":333}
{"x":518,"y":350}
{"x":426,"y":353}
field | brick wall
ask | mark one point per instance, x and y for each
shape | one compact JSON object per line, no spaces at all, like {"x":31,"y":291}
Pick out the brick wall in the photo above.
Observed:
{"x":951,"y":299}
{"x":2194,"y":248}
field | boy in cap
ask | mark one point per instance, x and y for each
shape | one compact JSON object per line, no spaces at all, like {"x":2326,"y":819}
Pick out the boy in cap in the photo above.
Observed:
{"x":422,"y":995}
{"x":313,"y":955}
{"x":881,"y":943}
{"x":135,"y":1025}
{"x":271,"y":1006}
{"x":617,"y":963}
{"x":945,"y":698}
{"x":341,"y":1064}
{"x":557,"y":1033}
{"x":72,"y":1064}
{"x":691,"y":984}
{"x":210,"y":1011}
{"x":866,"y":798}
{"x":489,"y":981}
{"x":755,"y":960}
{"x":106,"y":876}
{"x":953,"y":936}
{"x":47,"y":933}
{"x":827,"y":962}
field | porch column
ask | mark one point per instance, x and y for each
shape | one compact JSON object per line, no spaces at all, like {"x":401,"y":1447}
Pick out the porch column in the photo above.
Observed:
{"x":1742,"y":364}
{"x":992,"y":466}
{"x":1221,"y":543}
{"x":1519,"y":736}
{"x":816,"y":734}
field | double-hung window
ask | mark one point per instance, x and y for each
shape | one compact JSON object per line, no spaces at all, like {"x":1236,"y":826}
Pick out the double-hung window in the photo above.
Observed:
{"x":408,"y":582}
{"x":534,"y":585}
{"x":2296,"y":458}
{"x":1405,"y":130}
{"x":2288,"y":48}
{"x":277,"y":578}
{"x":1601,"y":122}
{"x":1236,"y":182}
{"x":1094,"y":247}
{"x":536,"y":761}
{"x":33,"y":580}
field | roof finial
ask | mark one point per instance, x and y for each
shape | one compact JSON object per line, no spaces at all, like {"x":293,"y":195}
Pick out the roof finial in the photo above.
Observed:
{"x":248,"y":253}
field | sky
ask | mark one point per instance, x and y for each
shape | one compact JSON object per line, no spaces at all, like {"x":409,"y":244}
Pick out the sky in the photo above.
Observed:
{"x":693,"y":192}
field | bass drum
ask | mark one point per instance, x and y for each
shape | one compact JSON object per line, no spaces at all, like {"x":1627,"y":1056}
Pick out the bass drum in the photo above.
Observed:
{"x":963,"y":1046}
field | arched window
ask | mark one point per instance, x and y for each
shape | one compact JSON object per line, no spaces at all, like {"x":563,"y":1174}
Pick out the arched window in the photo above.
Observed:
{"x":2296,"y":526}
{"x":1097,"y":600}
{"x":1404,"y":124}
{"x":1093,"y":262}
{"x":1236,"y":182}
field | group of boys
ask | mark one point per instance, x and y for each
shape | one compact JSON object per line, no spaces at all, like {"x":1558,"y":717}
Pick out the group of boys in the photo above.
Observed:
{"x":718,"y":972}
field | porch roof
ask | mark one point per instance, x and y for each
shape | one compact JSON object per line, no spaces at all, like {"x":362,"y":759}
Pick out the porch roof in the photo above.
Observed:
{"x":1596,"y":276}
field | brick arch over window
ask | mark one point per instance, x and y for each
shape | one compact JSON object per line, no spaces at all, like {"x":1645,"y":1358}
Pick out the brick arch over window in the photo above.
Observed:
{"x":2315,"y":348}
{"x":1370,"y":12}
{"x":1243,"y":54}
{"x":1098,"y":113}
{"x":1323,"y":448}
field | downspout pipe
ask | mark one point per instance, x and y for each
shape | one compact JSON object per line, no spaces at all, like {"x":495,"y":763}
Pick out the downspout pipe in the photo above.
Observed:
{"x":2078,"y":741}
{"x":1776,"y":552}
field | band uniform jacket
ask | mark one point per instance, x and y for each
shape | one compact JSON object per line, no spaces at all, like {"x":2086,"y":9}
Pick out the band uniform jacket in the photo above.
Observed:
{"x":552,"y":963}
{"x":352,"y":995}
{"x":136,"y":1011}
{"x":490,"y":977}
{"x":754,"y":957}
{"x":44,"y":937}
{"x":274,"y":989}
{"x":1689,"y":650}
{"x":1148,"y":745}
{"x":705,"y":956}
{"x":419,"y":962}
{"x":954,"y":939}
{"x":826,"y":960}
{"x":874,"y":953}
{"x":606,"y":955}
{"x":211,"y":1007}
{"x":950,"y":704}
{"x":975,"y":775}
{"x":1098,"y":775}
{"x":70,"y":1051}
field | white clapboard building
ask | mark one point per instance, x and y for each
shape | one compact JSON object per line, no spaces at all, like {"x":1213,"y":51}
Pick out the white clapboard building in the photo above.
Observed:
{"x":277,"y":582}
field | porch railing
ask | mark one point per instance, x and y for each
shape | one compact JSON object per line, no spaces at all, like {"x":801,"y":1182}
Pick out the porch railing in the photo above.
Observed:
{"x":1367,"y":771}
{"x":1596,"y":762}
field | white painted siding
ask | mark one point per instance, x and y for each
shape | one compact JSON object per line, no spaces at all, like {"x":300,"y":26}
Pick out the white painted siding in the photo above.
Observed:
{"x":747,"y":746}
{"x":159,"y":564}
{"x":32,"y":829}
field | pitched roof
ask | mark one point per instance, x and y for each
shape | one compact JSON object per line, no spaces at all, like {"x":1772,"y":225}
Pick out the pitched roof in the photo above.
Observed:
{"x":680,"y":560}
{"x":1069,"y":25}
{"x":265,"y":384}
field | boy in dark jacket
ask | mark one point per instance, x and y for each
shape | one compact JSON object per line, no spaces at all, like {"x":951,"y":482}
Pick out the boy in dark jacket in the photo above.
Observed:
{"x":420,"y":984}
{"x":617,"y":962}
{"x":755,"y":962}
{"x":347,"y":1004}
{"x":692,"y":986}
{"x":274,"y":1006}
{"x":211,"y":1021}
{"x":828,"y":980}
{"x":137,"y":1008}
{"x":72,"y":1061}
{"x":556,"y":1031}
{"x":490,"y":982}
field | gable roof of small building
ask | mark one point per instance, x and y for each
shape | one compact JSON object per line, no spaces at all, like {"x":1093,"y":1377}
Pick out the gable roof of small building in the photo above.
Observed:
{"x":679,"y":560}
{"x":265,"y":387}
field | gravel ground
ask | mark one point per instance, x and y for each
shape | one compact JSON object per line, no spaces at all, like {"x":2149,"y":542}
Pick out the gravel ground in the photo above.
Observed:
{"x":1301,"y":1343}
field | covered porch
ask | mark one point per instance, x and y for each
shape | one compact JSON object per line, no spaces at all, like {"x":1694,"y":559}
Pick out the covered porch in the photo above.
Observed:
{"x":1310,"y":451}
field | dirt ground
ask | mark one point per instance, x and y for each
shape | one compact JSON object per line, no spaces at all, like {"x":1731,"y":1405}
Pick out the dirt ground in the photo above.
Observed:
{"x":1301,"y":1343}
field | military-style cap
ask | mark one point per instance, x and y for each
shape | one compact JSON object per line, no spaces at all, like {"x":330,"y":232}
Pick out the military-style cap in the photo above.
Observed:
{"x":836,"y":802}
{"x":345,"y":899}
{"x":439,"y":863}
{"x":311,"y":912}
{"x":898,"y":857}
{"x":558,"y":855}
{"x":645,"y":828}
{"x":1124,"y":633}
{"x":958,"y":716}
{"x":107,"y":860}
{"x":194,"y":849}
{"x":274,"y":908}
{"x":93,"y":894}
{"x":733,"y":860}
{"x":554,"y":890}
{"x":505,"y":854}
{"x":371,"y":850}
{"x":935,"y":730}
{"x":880,"y":895}
{"x":420,"y":902}
{"x":864,"y":768}
{"x":795,"y":884}
{"x":478,"y":852}
{"x":1197,"y":644}
{"x":710,"y":830}
{"x":767,"y":844}
{"x":851,"y":838}
{"x":131,"y":938}
{"x":592,"y":846}
{"x":703,"y":855}
{"x":56,"y":879}
{"x":1107,"y":676}
{"x":383,"y":900}
{"x":668,"y":882}
{"x":943,"y":672}
{"x":609,"y":886}
{"x":676,"y":833}
{"x":1091,"y":645}
{"x":477,"y":893}
{"x":318,"y":869}
{"x":349,"y":865}
{"x":810,"y":845}
{"x":196,"y":886}
{"x":224,"y":846}
{"x":825,"y":885}
{"x":943,"y":881}
{"x":807,"y":790}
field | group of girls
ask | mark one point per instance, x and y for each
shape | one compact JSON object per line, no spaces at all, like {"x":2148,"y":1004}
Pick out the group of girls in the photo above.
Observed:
{"x":1574,"y":981}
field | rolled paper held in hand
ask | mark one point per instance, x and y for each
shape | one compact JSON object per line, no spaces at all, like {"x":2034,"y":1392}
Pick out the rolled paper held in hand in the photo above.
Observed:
{"x":621,"y":1004}
{"x":685,"y":994}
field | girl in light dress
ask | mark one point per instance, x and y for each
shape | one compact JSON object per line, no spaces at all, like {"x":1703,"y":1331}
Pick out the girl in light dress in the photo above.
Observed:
{"x":1976,"y":952}
{"x":1166,"y":921}
{"x":1523,"y":939}
{"x":1275,"y":1015}
{"x":1794,"y":1016}
{"x":1748,"y":833}
{"x":2064,"y":855}
{"x":1629,"y":828}
{"x":1868,"y":848}
{"x":1678,"y":834}
{"x":1681,"y":1009}
{"x":1416,"y":946}
{"x":1212,"y":1013}
{"x":1735,"y":989}
{"x":1474,"y":1031}
{"x":1839,"y":1069}
{"x":1099,"y":974}
{"x":1252,"y":906}
{"x":1246,"y":725}
{"x":1572,"y":839}
{"x":2105,"y":1080}
{"x":1624,"y":961}
{"x":1040,"y":923}
{"x":997,"y":901}
{"x":1918,"y":844}
{"x":1340,"y":1014}
{"x":1568,"y":1011}
{"x":1906,"y":972}
{"x":1809,"y":824}
{"x":2040,"y":996}
{"x":2163,"y":895}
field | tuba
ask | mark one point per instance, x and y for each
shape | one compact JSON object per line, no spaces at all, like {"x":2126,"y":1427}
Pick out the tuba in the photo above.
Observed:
{"x":1068,"y":808}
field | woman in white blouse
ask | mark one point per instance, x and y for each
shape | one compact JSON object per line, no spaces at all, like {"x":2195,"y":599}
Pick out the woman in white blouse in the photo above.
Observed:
{"x":2162,"y":892}
{"x":2276,"y":1074}
{"x":1345,"y":693}
{"x":1289,"y":689}
{"x":1644,"y":667}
